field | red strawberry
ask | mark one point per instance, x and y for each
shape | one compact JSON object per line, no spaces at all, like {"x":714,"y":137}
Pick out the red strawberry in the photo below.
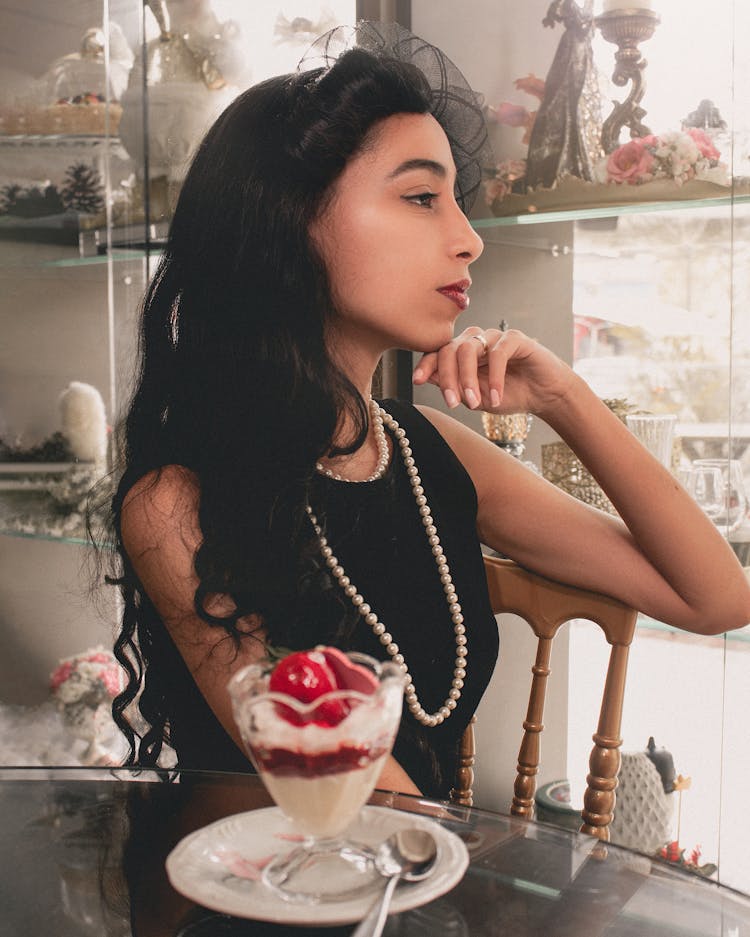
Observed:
{"x":305,"y":676}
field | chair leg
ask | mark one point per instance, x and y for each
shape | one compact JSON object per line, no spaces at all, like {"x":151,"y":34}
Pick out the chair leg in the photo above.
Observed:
{"x":604,"y":763}
{"x":524,"y":787}
{"x":462,"y":794}
{"x":601,"y":782}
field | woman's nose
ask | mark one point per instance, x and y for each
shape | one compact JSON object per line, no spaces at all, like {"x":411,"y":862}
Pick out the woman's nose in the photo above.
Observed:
{"x":467,"y":245}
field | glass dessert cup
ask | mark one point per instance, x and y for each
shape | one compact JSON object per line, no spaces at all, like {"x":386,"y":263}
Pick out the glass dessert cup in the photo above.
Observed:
{"x":320,"y":762}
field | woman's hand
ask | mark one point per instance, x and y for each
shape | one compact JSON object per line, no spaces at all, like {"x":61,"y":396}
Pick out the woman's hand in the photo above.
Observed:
{"x":500,"y":372}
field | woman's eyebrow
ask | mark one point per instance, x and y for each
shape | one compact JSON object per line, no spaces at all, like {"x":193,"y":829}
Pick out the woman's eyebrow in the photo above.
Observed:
{"x":430,"y":165}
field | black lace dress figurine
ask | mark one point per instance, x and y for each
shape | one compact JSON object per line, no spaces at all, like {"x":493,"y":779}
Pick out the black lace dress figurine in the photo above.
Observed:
{"x":566,"y":137}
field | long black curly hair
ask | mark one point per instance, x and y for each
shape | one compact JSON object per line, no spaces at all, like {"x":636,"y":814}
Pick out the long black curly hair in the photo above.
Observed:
{"x":236,"y":382}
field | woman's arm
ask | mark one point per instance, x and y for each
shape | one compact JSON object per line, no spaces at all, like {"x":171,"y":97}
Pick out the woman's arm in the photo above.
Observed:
{"x":664,"y":557}
{"x":161,"y":533}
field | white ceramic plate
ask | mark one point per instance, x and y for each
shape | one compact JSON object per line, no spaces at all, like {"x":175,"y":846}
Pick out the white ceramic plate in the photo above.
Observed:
{"x":219,"y":866}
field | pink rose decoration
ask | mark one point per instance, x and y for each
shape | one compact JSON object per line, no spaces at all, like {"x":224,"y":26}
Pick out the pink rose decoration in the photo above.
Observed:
{"x":704,"y":143}
{"x":632,"y":163}
{"x":512,"y":115}
{"x":95,"y":666}
{"x":60,"y":674}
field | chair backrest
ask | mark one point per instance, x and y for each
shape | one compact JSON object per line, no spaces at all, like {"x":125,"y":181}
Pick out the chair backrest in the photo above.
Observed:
{"x":546,"y":605}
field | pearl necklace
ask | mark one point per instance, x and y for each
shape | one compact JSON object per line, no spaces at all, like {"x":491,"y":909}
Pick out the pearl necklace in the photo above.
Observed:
{"x":382,"y":444}
{"x":451,"y":598}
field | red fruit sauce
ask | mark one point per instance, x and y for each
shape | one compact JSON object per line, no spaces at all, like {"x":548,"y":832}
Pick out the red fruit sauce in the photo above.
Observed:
{"x":284,"y":763}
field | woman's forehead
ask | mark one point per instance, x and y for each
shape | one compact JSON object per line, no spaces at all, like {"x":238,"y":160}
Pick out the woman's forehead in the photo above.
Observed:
{"x":404,"y":142}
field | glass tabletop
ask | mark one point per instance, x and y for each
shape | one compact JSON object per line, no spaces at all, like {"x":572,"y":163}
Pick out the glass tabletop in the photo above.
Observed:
{"x":83,"y":853}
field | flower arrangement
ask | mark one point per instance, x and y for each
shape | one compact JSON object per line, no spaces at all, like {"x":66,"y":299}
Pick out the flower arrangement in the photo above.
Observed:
{"x":94,"y":676}
{"x":676,"y":155}
{"x":511,"y":173}
{"x":83,"y":687}
{"x":516,"y":115}
{"x":508,"y":174}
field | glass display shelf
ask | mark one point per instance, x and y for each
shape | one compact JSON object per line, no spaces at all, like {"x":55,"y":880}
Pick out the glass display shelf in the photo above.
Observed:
{"x":92,"y":141}
{"x":84,"y":246}
{"x":35,"y":515}
{"x":48,"y":258}
{"x":581,"y":213}
{"x":55,"y":189}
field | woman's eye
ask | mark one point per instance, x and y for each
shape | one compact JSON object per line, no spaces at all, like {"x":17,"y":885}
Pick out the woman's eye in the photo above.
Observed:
{"x":423,"y":199}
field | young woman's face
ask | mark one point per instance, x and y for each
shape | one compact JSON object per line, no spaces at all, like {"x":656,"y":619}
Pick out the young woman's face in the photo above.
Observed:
{"x":395,"y":241}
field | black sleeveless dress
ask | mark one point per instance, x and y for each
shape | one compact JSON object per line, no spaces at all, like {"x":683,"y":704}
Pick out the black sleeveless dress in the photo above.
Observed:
{"x":377,"y":534}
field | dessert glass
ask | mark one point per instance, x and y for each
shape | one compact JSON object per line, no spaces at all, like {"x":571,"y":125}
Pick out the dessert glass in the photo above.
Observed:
{"x":320,"y":775}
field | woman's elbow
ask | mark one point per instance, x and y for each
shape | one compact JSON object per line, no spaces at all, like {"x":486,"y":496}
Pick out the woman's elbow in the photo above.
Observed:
{"x":729,"y":614}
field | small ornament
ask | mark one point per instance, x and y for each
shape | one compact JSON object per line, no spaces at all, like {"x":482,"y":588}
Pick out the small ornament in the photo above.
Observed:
{"x":84,"y":422}
{"x":82,"y":188}
{"x":706,"y":117}
{"x":565,"y":137}
{"x":508,"y":430}
{"x":675,"y":854}
{"x":664,"y":764}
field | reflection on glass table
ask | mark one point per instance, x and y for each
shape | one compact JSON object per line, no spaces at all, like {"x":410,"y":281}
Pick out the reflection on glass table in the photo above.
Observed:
{"x":86,"y":849}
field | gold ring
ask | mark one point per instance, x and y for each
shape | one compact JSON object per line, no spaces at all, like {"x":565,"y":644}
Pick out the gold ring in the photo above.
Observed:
{"x":483,"y":342}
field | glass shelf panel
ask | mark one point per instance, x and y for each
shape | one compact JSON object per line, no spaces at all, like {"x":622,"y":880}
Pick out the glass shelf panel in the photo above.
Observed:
{"x":55,"y":141}
{"x":607,"y":211}
{"x":34,"y":515}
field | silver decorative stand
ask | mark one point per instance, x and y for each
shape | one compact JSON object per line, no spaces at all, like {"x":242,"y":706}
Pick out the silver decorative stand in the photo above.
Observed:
{"x":627,"y":28}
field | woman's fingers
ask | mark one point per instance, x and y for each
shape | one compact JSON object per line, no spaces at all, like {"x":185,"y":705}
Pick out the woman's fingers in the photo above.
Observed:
{"x":497,"y":364}
{"x":471,"y":356}
{"x":473,"y":367}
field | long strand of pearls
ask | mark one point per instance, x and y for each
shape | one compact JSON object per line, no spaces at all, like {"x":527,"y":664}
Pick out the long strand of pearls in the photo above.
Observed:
{"x":451,"y":598}
{"x":382,"y":444}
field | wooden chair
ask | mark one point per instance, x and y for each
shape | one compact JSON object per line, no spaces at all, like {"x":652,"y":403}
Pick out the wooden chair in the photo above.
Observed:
{"x":546,"y":605}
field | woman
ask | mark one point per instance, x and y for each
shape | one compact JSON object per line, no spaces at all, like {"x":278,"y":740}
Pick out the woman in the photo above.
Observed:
{"x":266,"y":501}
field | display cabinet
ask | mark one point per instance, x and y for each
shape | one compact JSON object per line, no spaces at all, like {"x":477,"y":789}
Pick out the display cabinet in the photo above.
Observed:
{"x":101,"y":104}
{"x":643,"y":287}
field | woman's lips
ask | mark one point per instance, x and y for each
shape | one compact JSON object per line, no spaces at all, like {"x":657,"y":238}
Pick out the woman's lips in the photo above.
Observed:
{"x":456,"y":295}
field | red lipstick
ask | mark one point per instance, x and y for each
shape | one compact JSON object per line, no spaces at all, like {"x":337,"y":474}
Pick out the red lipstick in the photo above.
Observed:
{"x":456,"y":292}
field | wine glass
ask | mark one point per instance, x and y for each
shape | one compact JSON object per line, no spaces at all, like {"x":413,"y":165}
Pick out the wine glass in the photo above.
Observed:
{"x":718,"y":485}
{"x":706,"y":484}
{"x":320,"y":762}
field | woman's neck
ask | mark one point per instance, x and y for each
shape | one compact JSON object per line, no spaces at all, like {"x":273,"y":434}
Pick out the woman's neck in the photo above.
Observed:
{"x":369,"y":461}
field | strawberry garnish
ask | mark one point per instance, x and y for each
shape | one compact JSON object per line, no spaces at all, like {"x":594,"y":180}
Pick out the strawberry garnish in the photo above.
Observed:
{"x":304,"y":675}
{"x":308,"y":675}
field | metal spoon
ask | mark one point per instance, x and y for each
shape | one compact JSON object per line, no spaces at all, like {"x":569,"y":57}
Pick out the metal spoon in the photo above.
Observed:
{"x":409,"y":855}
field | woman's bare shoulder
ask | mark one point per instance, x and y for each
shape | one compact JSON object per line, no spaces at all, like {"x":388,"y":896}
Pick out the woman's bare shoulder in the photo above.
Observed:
{"x":160,"y":503}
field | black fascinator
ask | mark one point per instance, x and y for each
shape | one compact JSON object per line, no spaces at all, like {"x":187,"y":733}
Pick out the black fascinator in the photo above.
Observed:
{"x":456,"y":107}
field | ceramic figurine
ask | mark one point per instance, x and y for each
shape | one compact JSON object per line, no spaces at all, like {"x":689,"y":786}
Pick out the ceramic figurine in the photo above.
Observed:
{"x":84,"y":422}
{"x":565,"y":139}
